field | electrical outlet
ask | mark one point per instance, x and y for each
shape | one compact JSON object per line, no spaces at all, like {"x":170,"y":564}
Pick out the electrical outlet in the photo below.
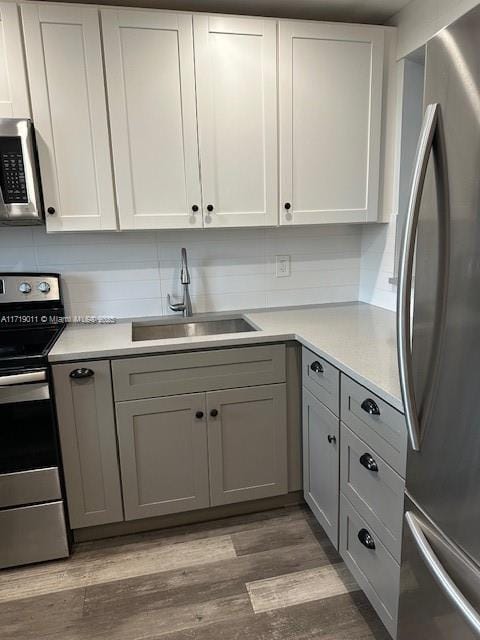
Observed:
{"x":282,"y":266}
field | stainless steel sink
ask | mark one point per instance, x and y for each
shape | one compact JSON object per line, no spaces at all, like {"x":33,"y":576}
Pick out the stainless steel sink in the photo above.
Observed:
{"x":147,"y":331}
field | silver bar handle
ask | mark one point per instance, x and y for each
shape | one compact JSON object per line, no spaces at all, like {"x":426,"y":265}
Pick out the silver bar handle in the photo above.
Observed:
{"x":23,"y":378}
{"x":405,"y":272}
{"x":445,"y":582}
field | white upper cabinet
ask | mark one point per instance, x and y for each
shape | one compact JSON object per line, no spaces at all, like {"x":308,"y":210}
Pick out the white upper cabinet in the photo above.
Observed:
{"x":14,"y":102}
{"x":151,"y":95}
{"x":330,"y":122}
{"x":65,"y":69}
{"x":236,"y":63}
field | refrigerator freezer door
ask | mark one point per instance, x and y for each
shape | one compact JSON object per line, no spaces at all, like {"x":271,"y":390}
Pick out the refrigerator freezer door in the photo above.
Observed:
{"x":440,"y":587}
{"x":443,"y":477}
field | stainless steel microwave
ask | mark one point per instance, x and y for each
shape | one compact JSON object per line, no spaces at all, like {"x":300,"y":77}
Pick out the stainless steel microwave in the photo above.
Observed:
{"x":20,"y":190}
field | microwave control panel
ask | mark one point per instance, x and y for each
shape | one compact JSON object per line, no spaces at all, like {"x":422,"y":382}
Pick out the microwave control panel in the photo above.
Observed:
{"x":12,"y":170}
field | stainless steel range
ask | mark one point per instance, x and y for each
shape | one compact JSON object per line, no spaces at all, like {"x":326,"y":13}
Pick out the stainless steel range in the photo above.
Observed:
{"x":32,"y":515}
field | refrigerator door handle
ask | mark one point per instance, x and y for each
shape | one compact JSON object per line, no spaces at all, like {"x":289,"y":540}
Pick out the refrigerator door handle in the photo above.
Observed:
{"x":468,"y":612}
{"x":426,"y":143}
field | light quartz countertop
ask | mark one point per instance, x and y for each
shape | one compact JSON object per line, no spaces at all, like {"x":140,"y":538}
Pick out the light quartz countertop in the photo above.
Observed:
{"x":357,"y":338}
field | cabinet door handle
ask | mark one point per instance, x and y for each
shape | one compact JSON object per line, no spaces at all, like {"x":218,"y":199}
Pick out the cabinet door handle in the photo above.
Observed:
{"x":214,"y":413}
{"x":371,"y":407}
{"x":195,"y":208}
{"x":287,"y":205}
{"x":77,"y":374}
{"x":210,"y":207}
{"x":51,"y":210}
{"x":332,"y":439}
{"x":199,"y":415}
{"x":368,"y":462}
{"x":317,"y":367}
{"x":366,"y":539}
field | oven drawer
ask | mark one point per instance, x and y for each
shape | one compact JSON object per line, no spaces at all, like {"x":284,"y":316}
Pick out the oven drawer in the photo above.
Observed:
{"x":374,"y":421}
{"x":181,"y":373}
{"x":322,"y":380}
{"x":32,"y":534}
{"x":375,"y":570}
{"x":374,"y":489}
{"x":28,"y":487}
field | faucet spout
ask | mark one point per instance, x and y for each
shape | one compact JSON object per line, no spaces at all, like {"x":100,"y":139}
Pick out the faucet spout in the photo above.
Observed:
{"x":186,"y":305}
{"x":184,"y":273}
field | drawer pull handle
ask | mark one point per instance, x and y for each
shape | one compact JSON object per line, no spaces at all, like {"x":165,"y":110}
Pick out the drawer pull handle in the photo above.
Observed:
{"x":332,"y":439}
{"x":316,"y":367}
{"x":366,"y":539}
{"x":214,"y":413}
{"x":368,"y":462}
{"x":199,"y":415}
{"x":78,"y":374}
{"x":371,"y":407}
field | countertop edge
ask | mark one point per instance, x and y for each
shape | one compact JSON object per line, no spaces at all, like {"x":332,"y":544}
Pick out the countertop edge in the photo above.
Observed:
{"x":259,"y":337}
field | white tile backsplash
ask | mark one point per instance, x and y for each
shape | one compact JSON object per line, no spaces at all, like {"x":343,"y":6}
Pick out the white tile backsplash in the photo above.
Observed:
{"x":129,"y":274}
{"x":377,"y":265}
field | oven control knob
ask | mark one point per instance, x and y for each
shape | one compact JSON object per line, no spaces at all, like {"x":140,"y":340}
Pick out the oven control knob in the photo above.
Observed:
{"x":24,"y":287}
{"x":44,"y":287}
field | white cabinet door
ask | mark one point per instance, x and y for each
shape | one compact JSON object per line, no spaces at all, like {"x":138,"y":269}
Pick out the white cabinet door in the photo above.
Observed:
{"x":151,"y":95}
{"x":65,"y":68}
{"x":235,"y":63}
{"x":330,"y":122}
{"x":14,"y":101}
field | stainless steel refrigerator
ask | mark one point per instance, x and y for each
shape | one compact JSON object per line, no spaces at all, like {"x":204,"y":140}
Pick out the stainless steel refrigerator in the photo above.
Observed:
{"x":439,"y":349}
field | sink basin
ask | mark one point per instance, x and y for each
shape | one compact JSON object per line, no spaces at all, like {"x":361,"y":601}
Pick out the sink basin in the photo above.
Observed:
{"x":146,"y":331}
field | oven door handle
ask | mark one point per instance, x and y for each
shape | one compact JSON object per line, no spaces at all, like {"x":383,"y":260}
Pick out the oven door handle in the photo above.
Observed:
{"x":23,"y":378}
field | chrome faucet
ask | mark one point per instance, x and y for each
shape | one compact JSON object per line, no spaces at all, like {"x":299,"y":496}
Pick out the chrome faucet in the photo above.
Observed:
{"x":186,"y":305}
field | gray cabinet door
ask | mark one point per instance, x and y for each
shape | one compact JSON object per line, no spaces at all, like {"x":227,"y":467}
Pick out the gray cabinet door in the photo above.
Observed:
{"x":321,"y":449}
{"x":247,"y":442}
{"x":88,"y":442}
{"x":163,"y":455}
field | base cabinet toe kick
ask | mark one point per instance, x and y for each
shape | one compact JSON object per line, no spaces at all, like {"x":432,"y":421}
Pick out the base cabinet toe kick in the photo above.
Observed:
{"x":354,"y":459}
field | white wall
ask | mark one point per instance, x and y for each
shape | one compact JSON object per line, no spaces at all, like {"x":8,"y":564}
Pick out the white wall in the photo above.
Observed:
{"x":421,"y":19}
{"x":130,"y":274}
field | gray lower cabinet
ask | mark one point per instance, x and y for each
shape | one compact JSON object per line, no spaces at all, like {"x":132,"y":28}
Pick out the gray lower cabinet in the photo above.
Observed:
{"x":88,"y":442}
{"x":180,"y":453}
{"x":321,"y":450}
{"x":163,"y":455}
{"x":247,"y":443}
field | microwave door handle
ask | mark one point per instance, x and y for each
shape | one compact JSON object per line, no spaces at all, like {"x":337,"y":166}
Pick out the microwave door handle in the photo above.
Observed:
{"x":450,"y":589}
{"x":405,"y":273}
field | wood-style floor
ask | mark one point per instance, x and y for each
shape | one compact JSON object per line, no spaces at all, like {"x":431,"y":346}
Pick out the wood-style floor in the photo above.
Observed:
{"x":267,"y":576}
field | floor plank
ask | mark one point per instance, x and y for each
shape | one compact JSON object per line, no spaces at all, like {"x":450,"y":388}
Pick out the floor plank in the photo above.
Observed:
{"x":31,"y":618}
{"x":299,"y":587}
{"x":273,"y":536}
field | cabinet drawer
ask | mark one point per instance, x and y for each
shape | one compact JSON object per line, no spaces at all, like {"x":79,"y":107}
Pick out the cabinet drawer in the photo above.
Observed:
{"x":374,"y":569}
{"x":180,"y":373}
{"x":377,"y":423}
{"x":373,"y":488}
{"x":322,"y":379}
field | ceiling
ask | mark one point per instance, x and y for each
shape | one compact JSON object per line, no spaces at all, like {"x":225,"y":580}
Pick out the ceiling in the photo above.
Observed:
{"x":370,"y":11}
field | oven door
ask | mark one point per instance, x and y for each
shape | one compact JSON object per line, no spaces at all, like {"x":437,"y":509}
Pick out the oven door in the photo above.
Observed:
{"x":28,"y":444}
